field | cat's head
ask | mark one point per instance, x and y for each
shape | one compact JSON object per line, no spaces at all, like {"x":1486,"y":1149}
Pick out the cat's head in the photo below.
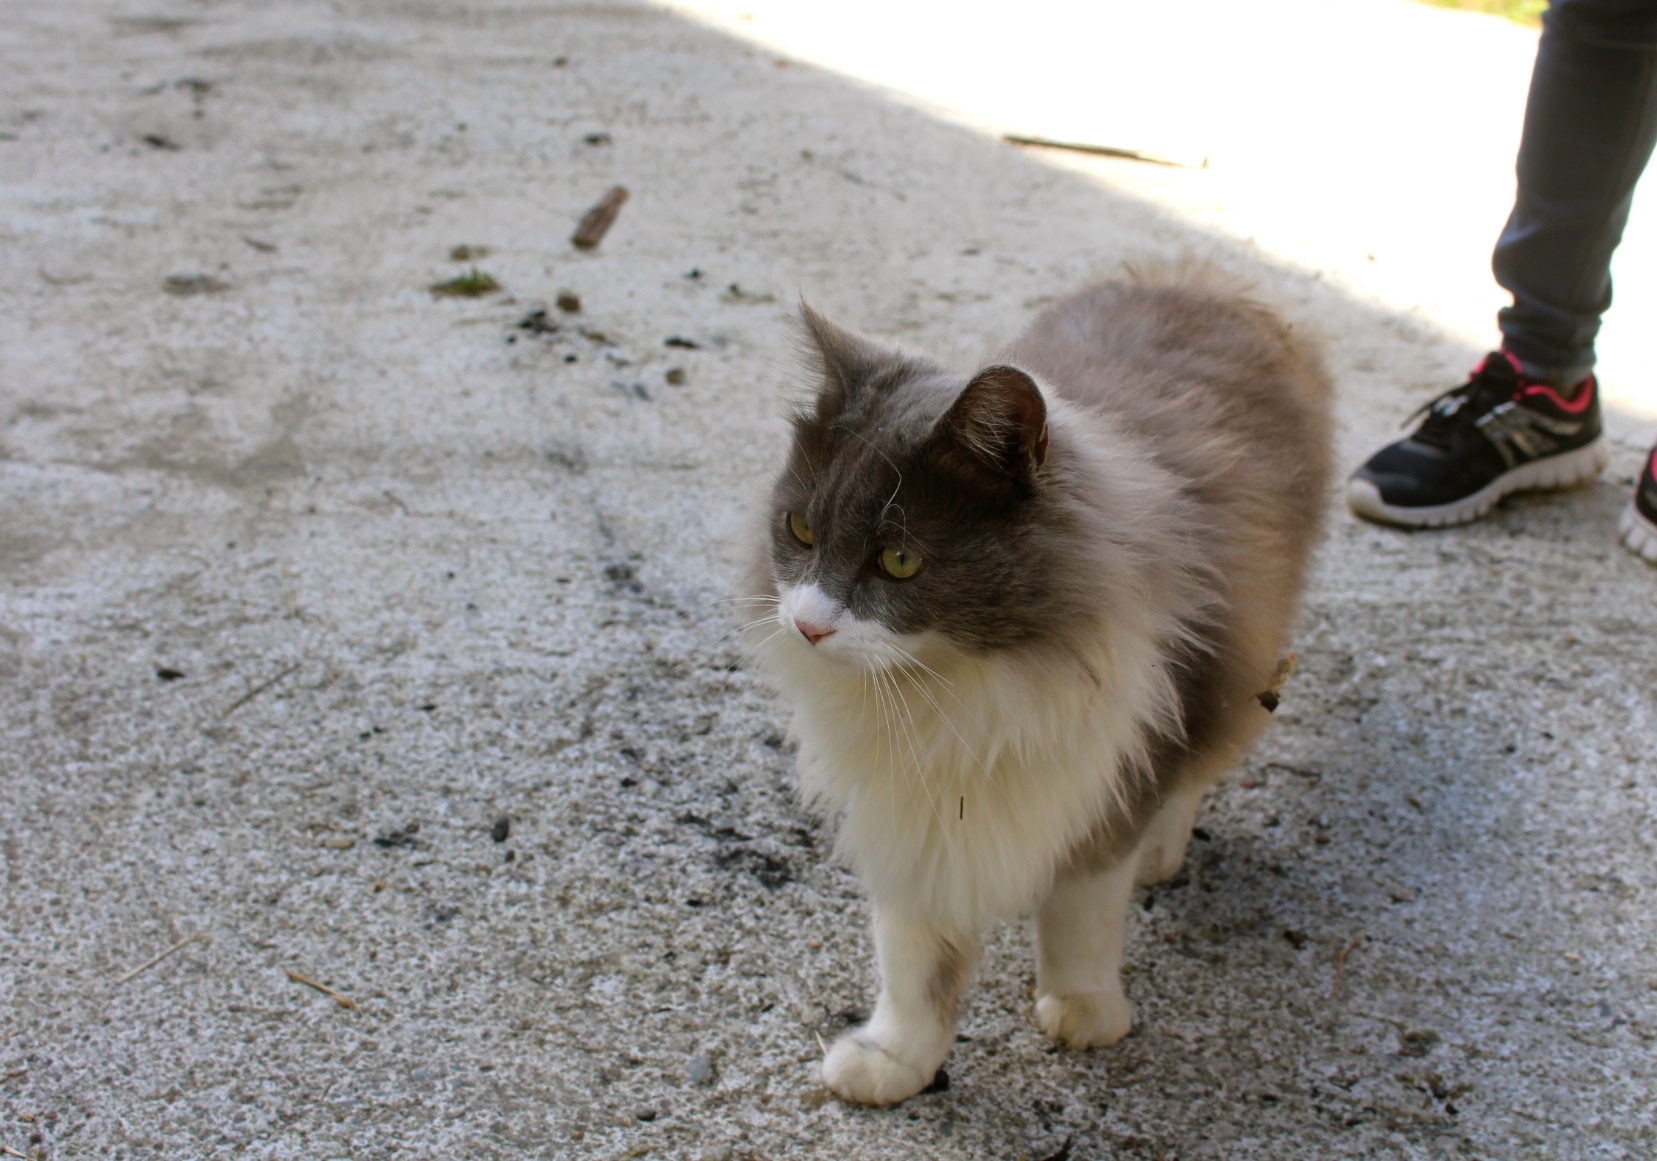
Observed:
{"x":916,"y":510}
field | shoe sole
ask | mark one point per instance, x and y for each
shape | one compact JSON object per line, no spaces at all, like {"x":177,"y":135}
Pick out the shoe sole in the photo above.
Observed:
{"x":1566,"y":470}
{"x":1638,"y":534}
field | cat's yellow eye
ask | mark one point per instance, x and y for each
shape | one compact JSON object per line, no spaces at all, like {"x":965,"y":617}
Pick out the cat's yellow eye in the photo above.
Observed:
{"x":900,"y":564}
{"x":800,"y":529}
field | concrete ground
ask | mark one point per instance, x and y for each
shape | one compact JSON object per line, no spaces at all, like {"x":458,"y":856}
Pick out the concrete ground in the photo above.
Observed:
{"x":376,"y":637}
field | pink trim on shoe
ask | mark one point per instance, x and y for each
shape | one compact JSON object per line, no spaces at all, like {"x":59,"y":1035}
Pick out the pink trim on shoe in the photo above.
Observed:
{"x":1576,"y":405}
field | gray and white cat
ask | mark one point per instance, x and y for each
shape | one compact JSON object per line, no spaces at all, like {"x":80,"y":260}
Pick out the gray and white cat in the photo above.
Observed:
{"x":1023,"y":617}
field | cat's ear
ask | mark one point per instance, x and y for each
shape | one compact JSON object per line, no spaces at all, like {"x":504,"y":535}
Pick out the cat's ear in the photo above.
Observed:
{"x":846,"y":360}
{"x":1000,"y":420}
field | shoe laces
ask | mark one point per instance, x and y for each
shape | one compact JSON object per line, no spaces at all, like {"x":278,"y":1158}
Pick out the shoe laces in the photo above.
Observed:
{"x":1446,"y":417}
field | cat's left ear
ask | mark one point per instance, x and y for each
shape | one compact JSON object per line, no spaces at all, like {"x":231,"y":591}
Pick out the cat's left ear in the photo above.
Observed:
{"x":846,"y":361}
{"x":1001,"y":420}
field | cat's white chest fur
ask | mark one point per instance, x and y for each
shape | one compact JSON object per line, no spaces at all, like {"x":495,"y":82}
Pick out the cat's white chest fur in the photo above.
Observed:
{"x":960,"y":780}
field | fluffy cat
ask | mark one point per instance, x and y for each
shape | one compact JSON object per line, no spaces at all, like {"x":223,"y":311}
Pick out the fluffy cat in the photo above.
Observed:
{"x":1023,"y":617}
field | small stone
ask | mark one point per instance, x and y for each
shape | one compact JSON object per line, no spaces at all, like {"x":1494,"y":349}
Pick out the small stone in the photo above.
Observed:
{"x":403,"y":837}
{"x":701,"y":1069}
{"x":676,"y":376}
{"x":646,"y":1114}
{"x":537,"y":323}
{"x":1417,"y":1043}
{"x":568,"y":302}
{"x":502,"y":830}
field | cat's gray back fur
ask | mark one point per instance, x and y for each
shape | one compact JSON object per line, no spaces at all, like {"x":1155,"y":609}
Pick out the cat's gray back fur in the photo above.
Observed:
{"x":1235,"y":406}
{"x":1218,"y":388}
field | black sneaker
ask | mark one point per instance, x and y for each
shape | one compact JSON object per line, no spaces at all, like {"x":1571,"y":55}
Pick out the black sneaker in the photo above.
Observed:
{"x":1639,"y":521}
{"x":1496,"y":434}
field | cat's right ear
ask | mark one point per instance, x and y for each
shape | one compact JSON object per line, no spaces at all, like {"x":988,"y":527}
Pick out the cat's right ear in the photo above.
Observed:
{"x":846,"y":361}
{"x":1000,"y":422}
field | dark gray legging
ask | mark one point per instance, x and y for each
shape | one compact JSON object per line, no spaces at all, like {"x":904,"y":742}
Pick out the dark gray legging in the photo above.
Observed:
{"x":1590,"y":123}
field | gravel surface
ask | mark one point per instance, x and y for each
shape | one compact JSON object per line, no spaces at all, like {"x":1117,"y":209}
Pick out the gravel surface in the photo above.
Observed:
{"x":376,"y":636}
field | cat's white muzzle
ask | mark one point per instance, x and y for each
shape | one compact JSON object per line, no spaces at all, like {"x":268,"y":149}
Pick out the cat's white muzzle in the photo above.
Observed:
{"x":819,"y":624}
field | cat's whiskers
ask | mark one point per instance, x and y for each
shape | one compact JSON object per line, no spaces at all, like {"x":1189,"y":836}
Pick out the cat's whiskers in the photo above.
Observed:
{"x":748,"y":652}
{"x":746,"y":604}
{"x":912,"y":737}
{"x":920,"y":687}
{"x":885,"y":732}
{"x":909,"y":658}
{"x":705,"y":652}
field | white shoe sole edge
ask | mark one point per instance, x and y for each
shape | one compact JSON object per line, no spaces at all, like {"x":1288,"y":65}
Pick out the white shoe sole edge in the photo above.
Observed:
{"x":1638,"y":534}
{"x":1567,"y":470}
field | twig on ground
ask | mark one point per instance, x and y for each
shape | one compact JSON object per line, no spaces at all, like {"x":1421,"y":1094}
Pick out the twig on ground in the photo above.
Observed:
{"x":10,"y":1152}
{"x":258,"y":689}
{"x":597,"y":223}
{"x":821,"y":1046}
{"x":1340,"y":963}
{"x":1104,"y":151}
{"x":339,"y":998}
{"x":149,"y":963}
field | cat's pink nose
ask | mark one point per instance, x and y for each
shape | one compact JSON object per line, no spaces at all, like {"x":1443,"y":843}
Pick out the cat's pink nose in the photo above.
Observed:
{"x":811,"y":632}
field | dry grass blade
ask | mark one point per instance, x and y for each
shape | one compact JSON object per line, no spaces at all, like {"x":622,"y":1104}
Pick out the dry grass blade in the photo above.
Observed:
{"x":339,"y":998}
{"x":149,"y":963}
{"x":258,"y":689}
{"x":10,"y":1152}
{"x":1340,"y":964}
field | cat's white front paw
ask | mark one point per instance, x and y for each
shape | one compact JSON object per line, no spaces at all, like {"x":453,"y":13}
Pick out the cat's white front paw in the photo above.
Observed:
{"x":1087,"y":1019}
{"x":861,"y":1071}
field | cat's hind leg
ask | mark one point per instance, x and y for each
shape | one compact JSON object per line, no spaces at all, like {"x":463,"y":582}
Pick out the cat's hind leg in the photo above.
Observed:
{"x":923,"y":971}
{"x":1079,"y":934}
{"x":1162,"y":849}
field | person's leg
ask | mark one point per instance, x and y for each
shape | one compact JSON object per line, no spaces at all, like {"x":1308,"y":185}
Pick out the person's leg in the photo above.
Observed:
{"x":1528,"y":417}
{"x":1590,"y":123}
